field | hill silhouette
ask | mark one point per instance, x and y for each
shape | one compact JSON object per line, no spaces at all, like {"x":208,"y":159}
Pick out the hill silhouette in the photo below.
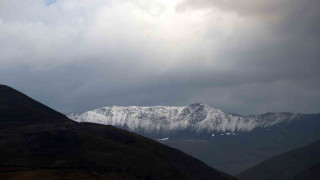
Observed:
{"x":299,"y":164}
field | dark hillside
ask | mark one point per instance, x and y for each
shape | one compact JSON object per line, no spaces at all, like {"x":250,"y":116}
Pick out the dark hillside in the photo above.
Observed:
{"x":301,"y":163}
{"x":37,"y":142}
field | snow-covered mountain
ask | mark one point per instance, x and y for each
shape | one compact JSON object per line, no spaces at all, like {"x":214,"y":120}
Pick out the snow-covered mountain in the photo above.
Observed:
{"x":227,"y":141}
{"x":167,"y":119}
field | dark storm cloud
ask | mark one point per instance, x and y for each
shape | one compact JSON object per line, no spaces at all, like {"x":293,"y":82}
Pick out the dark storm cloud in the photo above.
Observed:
{"x":262,"y":9}
{"x":241,"y":56}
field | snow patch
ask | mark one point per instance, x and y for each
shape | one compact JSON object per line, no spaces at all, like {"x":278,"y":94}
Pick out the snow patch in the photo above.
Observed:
{"x":164,"y":139}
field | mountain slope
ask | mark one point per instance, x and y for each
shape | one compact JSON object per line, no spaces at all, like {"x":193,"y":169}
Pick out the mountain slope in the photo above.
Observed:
{"x":16,"y":106}
{"x":309,"y":174}
{"x":166,"y":119}
{"x":300,"y":163}
{"x":38,"y":142}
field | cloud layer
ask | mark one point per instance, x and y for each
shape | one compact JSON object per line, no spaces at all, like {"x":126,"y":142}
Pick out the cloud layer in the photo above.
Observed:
{"x":242,"y":57}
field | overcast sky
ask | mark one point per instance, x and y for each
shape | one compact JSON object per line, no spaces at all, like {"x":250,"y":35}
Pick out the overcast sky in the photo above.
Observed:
{"x":241,"y":56}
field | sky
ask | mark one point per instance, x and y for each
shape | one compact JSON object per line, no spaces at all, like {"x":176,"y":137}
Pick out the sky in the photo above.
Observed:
{"x":245,"y":57}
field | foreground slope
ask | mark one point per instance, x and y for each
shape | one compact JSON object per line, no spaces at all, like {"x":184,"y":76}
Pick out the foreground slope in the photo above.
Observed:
{"x":37,"y":142}
{"x":299,"y":164}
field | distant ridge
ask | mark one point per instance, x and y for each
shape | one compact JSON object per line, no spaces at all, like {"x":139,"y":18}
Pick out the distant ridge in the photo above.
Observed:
{"x":196,"y":117}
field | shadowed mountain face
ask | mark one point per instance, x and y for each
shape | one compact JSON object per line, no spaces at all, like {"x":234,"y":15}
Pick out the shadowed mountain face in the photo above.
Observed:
{"x":37,"y":142}
{"x":299,"y":164}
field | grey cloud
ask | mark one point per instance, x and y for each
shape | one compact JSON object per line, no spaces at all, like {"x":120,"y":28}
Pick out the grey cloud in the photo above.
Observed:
{"x":67,"y":62}
{"x":266,"y":9}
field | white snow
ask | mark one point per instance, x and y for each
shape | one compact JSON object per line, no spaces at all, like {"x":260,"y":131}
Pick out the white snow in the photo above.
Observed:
{"x":165,"y":119}
{"x":164,"y":139}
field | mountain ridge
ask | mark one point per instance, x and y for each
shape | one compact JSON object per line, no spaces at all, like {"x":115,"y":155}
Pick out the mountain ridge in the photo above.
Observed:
{"x":165,"y":119}
{"x":229,"y":142}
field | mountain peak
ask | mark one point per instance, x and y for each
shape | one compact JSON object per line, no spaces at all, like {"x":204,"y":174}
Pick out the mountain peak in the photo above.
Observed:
{"x":16,"y":106}
{"x":196,"y":105}
{"x":4,"y":86}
